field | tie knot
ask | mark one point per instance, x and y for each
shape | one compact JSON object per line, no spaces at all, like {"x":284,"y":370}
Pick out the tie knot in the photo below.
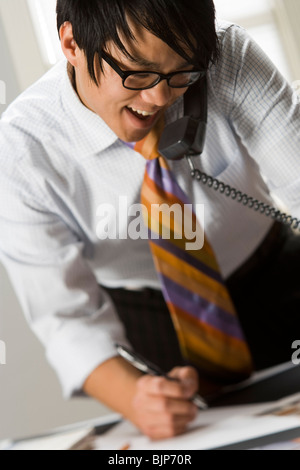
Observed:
{"x":148,"y":147}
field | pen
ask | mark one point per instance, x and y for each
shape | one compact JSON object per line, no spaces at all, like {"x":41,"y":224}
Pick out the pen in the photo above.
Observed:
{"x":147,"y":367}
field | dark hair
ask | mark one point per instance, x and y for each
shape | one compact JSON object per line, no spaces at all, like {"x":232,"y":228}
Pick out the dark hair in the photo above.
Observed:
{"x":182,"y":24}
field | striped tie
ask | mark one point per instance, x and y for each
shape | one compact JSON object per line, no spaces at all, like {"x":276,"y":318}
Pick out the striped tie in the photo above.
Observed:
{"x":207,"y":327}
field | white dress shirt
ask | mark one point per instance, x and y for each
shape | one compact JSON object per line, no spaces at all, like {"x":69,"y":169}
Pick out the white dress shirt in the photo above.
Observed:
{"x":60,"y":162}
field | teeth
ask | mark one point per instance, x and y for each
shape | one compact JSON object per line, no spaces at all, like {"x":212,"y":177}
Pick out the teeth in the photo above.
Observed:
{"x":143,"y":113}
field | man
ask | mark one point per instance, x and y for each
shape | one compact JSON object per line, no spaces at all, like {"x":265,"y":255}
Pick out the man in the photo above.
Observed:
{"x":65,"y":154}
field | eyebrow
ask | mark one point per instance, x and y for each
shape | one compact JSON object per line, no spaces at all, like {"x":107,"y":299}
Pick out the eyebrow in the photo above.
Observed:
{"x":154,"y":65}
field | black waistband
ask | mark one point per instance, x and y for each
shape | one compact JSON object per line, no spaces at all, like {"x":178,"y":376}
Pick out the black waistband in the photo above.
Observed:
{"x":271,"y":243}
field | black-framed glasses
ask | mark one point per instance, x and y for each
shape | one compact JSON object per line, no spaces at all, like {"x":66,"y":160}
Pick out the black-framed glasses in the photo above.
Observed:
{"x":142,"y":80}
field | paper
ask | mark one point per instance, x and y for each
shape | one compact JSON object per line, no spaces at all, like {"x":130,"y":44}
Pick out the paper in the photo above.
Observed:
{"x":63,"y":441}
{"x":73,"y":436}
{"x":284,"y":445}
{"x":212,"y":428}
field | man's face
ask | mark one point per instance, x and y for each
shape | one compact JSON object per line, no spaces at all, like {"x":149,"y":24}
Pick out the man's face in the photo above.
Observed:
{"x":114,"y":103}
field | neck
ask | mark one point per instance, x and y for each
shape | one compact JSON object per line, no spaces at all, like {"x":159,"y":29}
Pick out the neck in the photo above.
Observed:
{"x":71,"y":74}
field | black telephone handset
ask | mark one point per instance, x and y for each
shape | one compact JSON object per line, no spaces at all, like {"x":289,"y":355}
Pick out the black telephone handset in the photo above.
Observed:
{"x":186,"y":137}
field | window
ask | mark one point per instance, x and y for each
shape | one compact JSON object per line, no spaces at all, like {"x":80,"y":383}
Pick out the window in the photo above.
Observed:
{"x":257,"y":16}
{"x":44,"y":21}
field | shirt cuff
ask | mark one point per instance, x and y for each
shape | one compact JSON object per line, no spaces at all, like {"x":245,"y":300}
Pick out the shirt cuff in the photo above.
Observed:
{"x":79,"y":347}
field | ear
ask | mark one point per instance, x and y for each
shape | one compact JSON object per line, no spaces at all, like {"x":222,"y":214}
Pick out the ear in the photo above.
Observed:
{"x":68,"y":43}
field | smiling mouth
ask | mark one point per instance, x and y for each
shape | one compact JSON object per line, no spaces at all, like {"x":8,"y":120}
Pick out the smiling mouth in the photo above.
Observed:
{"x":143,"y":115}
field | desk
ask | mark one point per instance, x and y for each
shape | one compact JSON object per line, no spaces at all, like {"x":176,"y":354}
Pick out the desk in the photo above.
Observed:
{"x":65,"y":437}
{"x":271,"y":388}
{"x":278,"y":383}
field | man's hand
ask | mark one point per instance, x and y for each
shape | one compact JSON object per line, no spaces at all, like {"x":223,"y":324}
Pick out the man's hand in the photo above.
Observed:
{"x":162,"y":407}
{"x":159,"y":407}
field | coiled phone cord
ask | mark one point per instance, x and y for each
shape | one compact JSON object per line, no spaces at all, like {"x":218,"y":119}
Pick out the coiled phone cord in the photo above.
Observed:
{"x":242,"y":198}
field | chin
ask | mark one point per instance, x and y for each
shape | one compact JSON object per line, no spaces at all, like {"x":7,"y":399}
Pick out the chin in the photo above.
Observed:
{"x":135,"y":136}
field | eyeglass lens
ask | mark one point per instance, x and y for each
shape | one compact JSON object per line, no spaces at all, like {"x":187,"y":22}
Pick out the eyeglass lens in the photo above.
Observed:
{"x":145,"y":80}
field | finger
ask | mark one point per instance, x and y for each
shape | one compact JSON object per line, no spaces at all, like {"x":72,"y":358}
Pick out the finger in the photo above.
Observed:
{"x":189,"y":378}
{"x":165,"y":406}
{"x":184,"y":373}
{"x":163,"y":419}
{"x":166,"y":420}
{"x":166,"y":430}
{"x":160,"y":386}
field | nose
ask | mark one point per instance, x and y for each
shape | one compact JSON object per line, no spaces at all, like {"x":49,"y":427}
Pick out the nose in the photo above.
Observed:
{"x":159,"y":95}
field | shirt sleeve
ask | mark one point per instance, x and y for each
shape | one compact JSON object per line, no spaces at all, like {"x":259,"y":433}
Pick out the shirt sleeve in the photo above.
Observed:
{"x":263,"y":110}
{"x":58,"y":292}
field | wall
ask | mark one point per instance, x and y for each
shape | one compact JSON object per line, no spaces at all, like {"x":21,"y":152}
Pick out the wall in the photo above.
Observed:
{"x":287,"y":13}
{"x":30,"y":395}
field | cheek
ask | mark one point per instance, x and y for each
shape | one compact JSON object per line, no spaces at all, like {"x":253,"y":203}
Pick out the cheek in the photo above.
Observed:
{"x":178,"y":92}
{"x":114,"y":95}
